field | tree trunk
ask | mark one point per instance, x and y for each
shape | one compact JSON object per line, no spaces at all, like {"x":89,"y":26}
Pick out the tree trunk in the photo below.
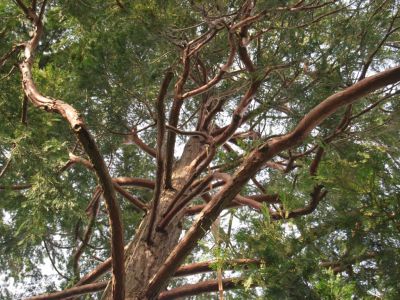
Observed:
{"x":142,"y":259}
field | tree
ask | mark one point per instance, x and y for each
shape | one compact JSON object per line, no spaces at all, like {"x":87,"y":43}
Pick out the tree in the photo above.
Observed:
{"x":257,"y":138}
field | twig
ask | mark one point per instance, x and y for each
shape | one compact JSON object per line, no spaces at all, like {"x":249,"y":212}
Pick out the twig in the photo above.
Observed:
{"x":88,"y":232}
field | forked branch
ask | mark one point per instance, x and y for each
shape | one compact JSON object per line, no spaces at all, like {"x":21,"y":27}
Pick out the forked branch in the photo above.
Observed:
{"x":256,"y":159}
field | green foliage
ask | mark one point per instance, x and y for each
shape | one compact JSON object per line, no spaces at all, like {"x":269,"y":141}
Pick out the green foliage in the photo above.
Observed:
{"x":109,"y":63}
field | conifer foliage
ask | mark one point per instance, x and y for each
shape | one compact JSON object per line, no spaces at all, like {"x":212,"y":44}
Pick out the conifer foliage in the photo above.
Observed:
{"x":235,"y":149}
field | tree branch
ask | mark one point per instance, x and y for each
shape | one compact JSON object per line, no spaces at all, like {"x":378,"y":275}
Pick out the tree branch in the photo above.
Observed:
{"x":74,"y":291}
{"x":316,"y":196}
{"x":174,"y":119}
{"x":138,"y":204}
{"x":256,"y":159}
{"x":79,"y":128}
{"x":86,"y":237}
{"x":138,"y":141}
{"x":160,"y":152}
{"x":220,"y":74}
{"x":206,"y":266}
{"x":199,"y":288}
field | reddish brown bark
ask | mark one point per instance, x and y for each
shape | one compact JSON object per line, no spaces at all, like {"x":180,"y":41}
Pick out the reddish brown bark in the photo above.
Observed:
{"x":254,"y":162}
{"x":78,"y":126}
{"x":206,"y":266}
{"x":75,"y":291}
{"x":154,"y":263}
{"x":160,"y":154}
{"x":199,"y":288}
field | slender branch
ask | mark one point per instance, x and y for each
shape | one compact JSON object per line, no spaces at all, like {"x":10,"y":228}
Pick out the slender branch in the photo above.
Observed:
{"x":370,"y":58}
{"x":373,"y":105}
{"x":207,"y":266}
{"x":74,"y":291}
{"x":138,"y":204}
{"x":8,"y":163}
{"x":88,"y":232}
{"x":199,"y":288}
{"x":24,"y":113}
{"x":174,"y":119}
{"x":248,"y":20}
{"x":42,"y":9}
{"x":343,"y":264}
{"x":270,"y":199}
{"x":316,"y":196}
{"x":188,"y":133}
{"x":52,"y":261}
{"x":185,"y":200}
{"x":138,"y":141}
{"x":6,"y":56}
{"x":160,"y":153}
{"x":124,"y":181}
{"x":16,"y":187}
{"x":220,"y":74}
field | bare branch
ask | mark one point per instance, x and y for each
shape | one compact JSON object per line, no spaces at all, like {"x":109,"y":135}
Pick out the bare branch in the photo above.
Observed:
{"x":52,"y":261}
{"x":256,"y":159}
{"x":89,"y":229}
{"x":220,"y":74}
{"x":138,"y":204}
{"x":160,"y":151}
{"x":74,"y":291}
{"x":133,"y":181}
{"x":207,"y":266}
{"x":137,"y":140}
{"x":199,"y":288}
{"x":370,"y":58}
{"x":78,"y":126}
{"x":316,"y":196}
{"x":188,"y":133}
{"x":174,"y":119}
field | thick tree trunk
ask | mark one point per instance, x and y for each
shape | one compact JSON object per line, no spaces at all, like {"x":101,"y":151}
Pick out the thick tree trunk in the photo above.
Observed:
{"x":142,"y":259}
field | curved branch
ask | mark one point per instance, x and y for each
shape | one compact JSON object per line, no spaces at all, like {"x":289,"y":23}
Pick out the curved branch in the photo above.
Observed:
{"x":188,"y":133}
{"x":220,"y":74}
{"x":255,"y":160}
{"x":79,"y":128}
{"x":138,"y":141}
{"x":316,"y":196}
